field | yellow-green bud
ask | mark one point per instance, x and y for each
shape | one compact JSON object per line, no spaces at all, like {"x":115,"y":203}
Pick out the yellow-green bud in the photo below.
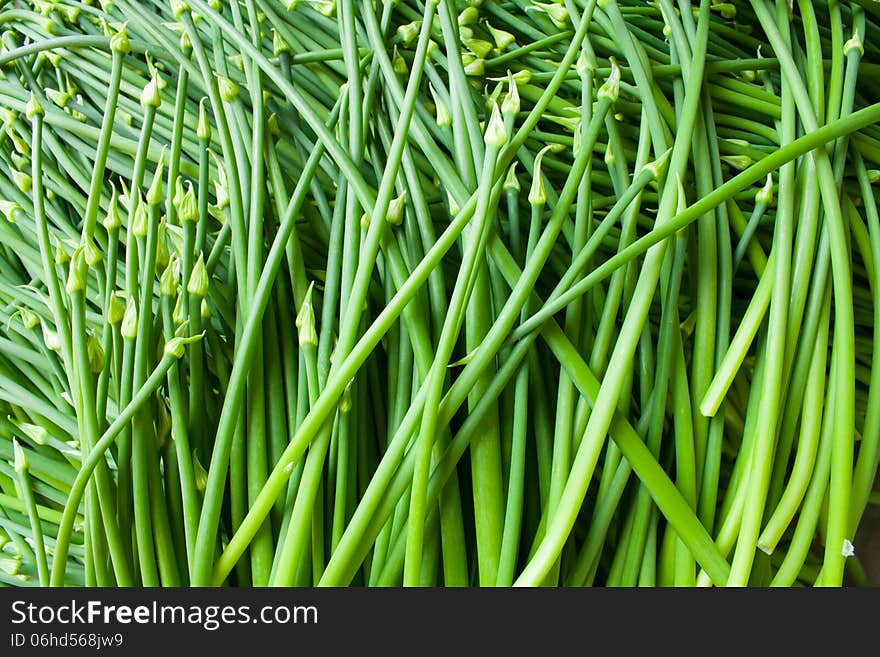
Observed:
{"x":510,"y":105}
{"x":50,"y":338}
{"x":221,"y":188}
{"x":28,"y":318}
{"x":150,"y":96}
{"x":112,"y":220}
{"x":272,"y":125}
{"x":33,"y":107}
{"x":21,"y":460}
{"x":469,"y":16}
{"x":738,"y":162}
{"x":558,"y":13}
{"x":95,"y":353}
{"x":496,"y":133}
{"x":119,"y":42}
{"x":61,"y":255}
{"x":583,"y":65}
{"x":395,"y":210}
{"x":154,"y":193}
{"x":537,"y":193}
{"x":501,"y":38}
{"x":188,"y":209}
{"x":511,"y":182}
{"x":324,"y":7}
{"x":92,"y":252}
{"x":128,"y":328}
{"x":474,"y":66}
{"x":168,"y":280}
{"x":398,"y":63}
{"x":178,"y":315}
{"x":60,"y":98}
{"x":203,"y":129}
{"x":11,"y":210}
{"x":681,"y":197}
{"x":198,"y":279}
{"x":139,"y":221}
{"x":34,"y":432}
{"x":22,"y":180}
{"x":444,"y":117}
{"x":77,"y":273}
{"x":409,"y":32}
{"x":765,"y":194}
{"x":726,"y":9}
{"x":199,"y":473}
{"x":305,"y":320}
{"x":227,"y":88}
{"x":345,"y":400}
{"x":658,"y":166}
{"x":176,"y":346}
{"x":479,"y":47}
{"x":116,"y":311}
{"x":178,"y":7}
{"x":610,"y":89}
{"x":854,"y":43}
{"x":10,"y":564}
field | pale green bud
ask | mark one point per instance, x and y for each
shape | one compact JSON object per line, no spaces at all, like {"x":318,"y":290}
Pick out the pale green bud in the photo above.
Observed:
{"x":496,"y":133}
{"x":305,"y":320}
{"x":95,"y":354}
{"x":198,"y":280}
{"x":511,"y":182}
{"x":77,"y":273}
{"x":128,"y":328}
{"x":176,"y":346}
{"x":203,"y":129}
{"x":20,"y":458}
{"x":33,"y":108}
{"x":396,"y":209}
{"x":116,"y":311}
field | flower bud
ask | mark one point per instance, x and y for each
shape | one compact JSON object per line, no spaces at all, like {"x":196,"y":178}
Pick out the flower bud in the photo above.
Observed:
{"x":501,"y":38}
{"x":198,"y":279}
{"x":444,"y":118}
{"x":139,"y":221}
{"x":409,"y":32}
{"x":92,"y":253}
{"x":537,"y":193}
{"x":33,"y":107}
{"x":305,"y":320}
{"x":765,"y":194}
{"x":611,"y":87}
{"x":227,"y":88}
{"x":150,"y":96}
{"x":119,"y":42}
{"x":176,"y":346}
{"x":95,"y":354}
{"x":111,"y":220}
{"x":11,"y":210}
{"x":203,"y":129}
{"x":154,"y":193}
{"x":128,"y":328}
{"x":116,"y":311}
{"x":510,"y":105}
{"x":22,"y":180}
{"x":511,"y":182}
{"x":20,"y":458}
{"x":496,"y":133}
{"x":395,"y":210}
{"x":77,"y":274}
{"x":168,"y":280}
